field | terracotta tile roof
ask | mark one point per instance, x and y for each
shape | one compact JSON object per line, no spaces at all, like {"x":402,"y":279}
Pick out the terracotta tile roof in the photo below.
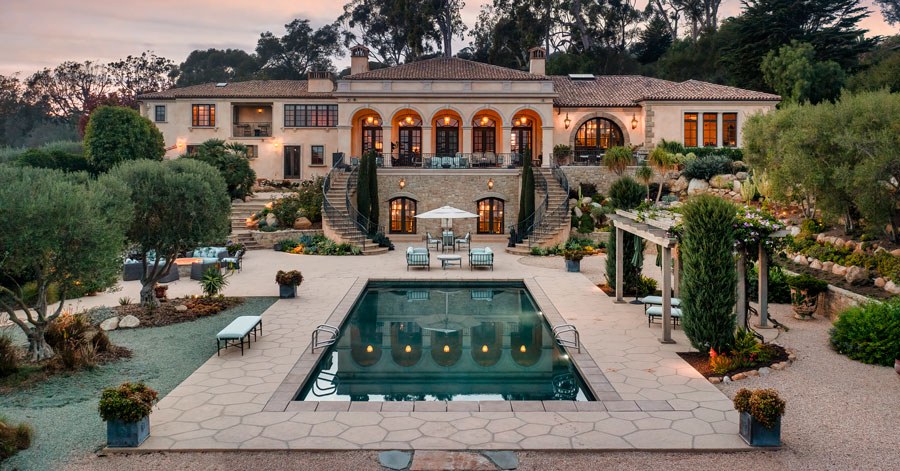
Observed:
{"x":697,"y":90}
{"x":445,"y":68}
{"x":605,"y":90}
{"x":248,"y":89}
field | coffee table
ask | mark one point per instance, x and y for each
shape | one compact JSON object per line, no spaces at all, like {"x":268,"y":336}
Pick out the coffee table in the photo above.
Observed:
{"x":450,"y":260}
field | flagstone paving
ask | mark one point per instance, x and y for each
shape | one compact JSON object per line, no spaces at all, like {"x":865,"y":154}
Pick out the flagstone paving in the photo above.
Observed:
{"x":654,"y":400}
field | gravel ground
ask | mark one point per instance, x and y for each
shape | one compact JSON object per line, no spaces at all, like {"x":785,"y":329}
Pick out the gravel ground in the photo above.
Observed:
{"x":63,"y":410}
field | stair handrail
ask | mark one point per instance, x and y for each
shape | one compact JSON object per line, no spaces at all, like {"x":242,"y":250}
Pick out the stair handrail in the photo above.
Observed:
{"x":560,"y":212}
{"x":537,"y":216}
{"x":333,"y":213}
{"x":362,"y":222}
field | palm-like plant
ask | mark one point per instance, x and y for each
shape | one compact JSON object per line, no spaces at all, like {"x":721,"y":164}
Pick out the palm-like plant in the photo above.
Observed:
{"x":662,"y":161}
{"x":618,"y":158}
{"x":644,"y":174}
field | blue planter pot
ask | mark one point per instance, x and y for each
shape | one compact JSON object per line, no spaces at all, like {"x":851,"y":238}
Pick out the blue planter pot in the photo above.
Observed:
{"x":573,"y":266}
{"x":121,"y":434}
{"x":757,"y":434}
{"x":287,"y":291}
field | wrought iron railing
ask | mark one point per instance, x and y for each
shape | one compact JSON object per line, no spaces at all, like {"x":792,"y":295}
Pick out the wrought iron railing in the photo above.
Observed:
{"x":592,"y":158}
{"x":338,"y":219}
{"x":457,"y":160}
{"x":537,"y":217}
{"x":554,"y":217}
{"x":363,"y":224}
{"x":252,"y":129}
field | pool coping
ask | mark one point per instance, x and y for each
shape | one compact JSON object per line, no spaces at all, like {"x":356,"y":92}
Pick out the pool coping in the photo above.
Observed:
{"x":605,"y":396}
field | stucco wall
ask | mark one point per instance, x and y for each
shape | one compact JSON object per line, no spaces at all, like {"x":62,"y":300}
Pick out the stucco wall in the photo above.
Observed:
{"x":461,"y":189}
{"x":665,"y":120}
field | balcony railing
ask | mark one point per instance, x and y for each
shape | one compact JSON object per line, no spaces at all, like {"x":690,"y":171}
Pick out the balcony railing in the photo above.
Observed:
{"x":252,"y":129}
{"x":590,"y":158}
{"x":452,"y":161}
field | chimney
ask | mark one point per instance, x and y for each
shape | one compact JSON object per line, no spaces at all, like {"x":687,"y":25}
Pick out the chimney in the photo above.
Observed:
{"x":320,"y":82}
{"x":359,"y":59}
{"x":537,"y":59}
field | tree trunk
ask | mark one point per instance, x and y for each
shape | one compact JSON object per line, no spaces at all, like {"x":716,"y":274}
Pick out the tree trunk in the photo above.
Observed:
{"x":38,"y":348}
{"x":148,"y":295}
{"x":662,"y":181}
{"x":586,"y":42}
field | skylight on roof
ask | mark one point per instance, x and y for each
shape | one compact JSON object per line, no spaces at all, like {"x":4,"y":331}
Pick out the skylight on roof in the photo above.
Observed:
{"x":581,"y":76}
{"x":221,"y":84}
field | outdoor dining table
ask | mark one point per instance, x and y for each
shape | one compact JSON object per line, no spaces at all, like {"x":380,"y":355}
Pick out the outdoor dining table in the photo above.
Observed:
{"x":447,"y":241}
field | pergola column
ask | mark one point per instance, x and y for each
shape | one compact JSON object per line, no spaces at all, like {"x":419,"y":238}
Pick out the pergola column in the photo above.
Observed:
{"x":677,"y":269}
{"x":763,"y":287}
{"x":667,"y":295}
{"x":742,"y":289}
{"x":620,"y":246}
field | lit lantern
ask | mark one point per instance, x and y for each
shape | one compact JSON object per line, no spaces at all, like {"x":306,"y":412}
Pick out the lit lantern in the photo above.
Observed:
{"x":524,"y":120}
{"x":408,"y":349}
{"x":490,"y":183}
{"x":402,"y":183}
{"x":446,"y":120}
{"x":634,"y":121}
{"x":484,"y":120}
{"x":567,"y":121}
{"x":409,"y":120}
{"x":370,"y":119}
{"x":522,"y":349}
{"x":446,"y":348}
{"x":369,"y":349}
{"x":484,"y":348}
{"x":270,"y":204}
{"x":259,"y":110}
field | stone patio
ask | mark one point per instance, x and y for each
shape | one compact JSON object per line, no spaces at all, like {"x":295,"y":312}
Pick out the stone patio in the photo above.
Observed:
{"x":655,"y":401}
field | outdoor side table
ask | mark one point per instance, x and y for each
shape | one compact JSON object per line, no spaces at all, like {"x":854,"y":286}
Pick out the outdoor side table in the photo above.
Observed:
{"x":450,"y":261}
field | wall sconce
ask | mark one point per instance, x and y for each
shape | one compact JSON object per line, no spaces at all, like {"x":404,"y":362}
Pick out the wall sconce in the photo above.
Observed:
{"x":634,"y":121}
{"x":567,"y":121}
{"x":179,"y":144}
{"x":408,"y":349}
{"x":370,"y":119}
{"x":524,"y":120}
{"x":490,"y":183}
{"x":276,"y":144}
{"x":446,"y":120}
{"x":259,"y":110}
{"x":402,"y":183}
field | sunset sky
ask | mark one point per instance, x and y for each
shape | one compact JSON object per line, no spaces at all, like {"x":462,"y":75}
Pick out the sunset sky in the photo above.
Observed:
{"x":43,"y":33}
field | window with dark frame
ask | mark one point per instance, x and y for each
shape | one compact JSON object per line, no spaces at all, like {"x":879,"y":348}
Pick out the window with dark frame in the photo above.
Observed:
{"x":203,"y":115}
{"x":403,"y":216}
{"x":160,"y":112}
{"x":710,"y":131}
{"x":317,"y":155}
{"x":310,"y":116}
{"x":490,"y":216}
{"x":729,"y":129}
{"x":598,"y":134}
{"x":690,"y":129}
{"x":293,"y":162}
{"x":191,"y":149}
{"x":252,"y":151}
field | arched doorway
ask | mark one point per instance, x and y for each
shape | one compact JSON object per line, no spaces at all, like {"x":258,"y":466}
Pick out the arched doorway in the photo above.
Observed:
{"x":596,"y":135}
{"x":402,"y":215}
{"x":409,"y":139}
{"x":446,"y":134}
{"x":484,"y":135}
{"x":490,"y":216}
{"x":372,"y":134}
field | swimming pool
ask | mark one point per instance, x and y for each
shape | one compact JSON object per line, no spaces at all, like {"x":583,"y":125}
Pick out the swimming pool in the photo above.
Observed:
{"x":444,"y":341}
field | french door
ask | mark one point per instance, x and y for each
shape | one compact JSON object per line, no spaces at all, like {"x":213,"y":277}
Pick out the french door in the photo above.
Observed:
{"x":447,"y":141}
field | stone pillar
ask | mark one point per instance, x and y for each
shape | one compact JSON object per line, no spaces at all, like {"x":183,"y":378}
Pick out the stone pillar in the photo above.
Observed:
{"x":386,"y":145}
{"x":666,"y":295}
{"x":763,"y":287}
{"x":466,"y":139}
{"x":547,"y":145}
{"x":426,"y":140}
{"x":620,"y":246}
{"x":742,"y":290}
{"x":504,"y":142}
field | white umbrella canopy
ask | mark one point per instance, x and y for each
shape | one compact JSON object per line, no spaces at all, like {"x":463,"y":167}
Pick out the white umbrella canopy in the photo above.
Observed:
{"x":446,"y":214}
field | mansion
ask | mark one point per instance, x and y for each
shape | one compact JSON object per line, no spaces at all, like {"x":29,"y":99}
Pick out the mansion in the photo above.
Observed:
{"x":443,"y":125}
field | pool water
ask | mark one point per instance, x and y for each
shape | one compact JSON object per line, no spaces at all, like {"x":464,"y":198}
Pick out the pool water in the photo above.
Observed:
{"x":444,"y":341}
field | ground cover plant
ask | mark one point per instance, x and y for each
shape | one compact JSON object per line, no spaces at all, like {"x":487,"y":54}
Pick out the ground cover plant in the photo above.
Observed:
{"x":869,"y":333}
{"x":583,"y":245}
{"x":317,"y":245}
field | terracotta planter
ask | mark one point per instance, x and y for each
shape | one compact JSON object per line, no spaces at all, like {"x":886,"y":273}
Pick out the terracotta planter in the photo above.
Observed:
{"x":161,"y":291}
{"x":804,"y":304}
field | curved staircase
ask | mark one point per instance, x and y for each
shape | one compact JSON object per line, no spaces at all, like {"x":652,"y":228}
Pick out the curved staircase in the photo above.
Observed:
{"x":336,"y":220}
{"x":552,"y":218}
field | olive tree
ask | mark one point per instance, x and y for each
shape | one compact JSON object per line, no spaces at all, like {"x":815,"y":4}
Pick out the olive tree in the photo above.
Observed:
{"x":232,"y":160}
{"x":57,"y":230}
{"x":115,"y":134}
{"x":178,"y":205}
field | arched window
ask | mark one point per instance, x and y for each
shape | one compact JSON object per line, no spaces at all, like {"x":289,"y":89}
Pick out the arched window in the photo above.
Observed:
{"x":597,"y":135}
{"x":372,"y":134}
{"x":403,"y":216}
{"x":490,"y":216}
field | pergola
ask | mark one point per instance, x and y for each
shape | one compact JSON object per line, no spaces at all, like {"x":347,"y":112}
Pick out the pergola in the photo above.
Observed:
{"x":657,"y":230}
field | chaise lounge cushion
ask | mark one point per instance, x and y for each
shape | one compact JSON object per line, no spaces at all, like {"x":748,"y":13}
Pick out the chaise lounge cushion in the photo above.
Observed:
{"x":659,"y":300}
{"x":239,"y":327}
{"x":657,"y":311}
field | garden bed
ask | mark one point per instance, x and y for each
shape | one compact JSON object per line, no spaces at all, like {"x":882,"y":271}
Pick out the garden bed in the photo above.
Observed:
{"x":700,"y":362}
{"x":168,"y":314}
{"x":868,"y":290}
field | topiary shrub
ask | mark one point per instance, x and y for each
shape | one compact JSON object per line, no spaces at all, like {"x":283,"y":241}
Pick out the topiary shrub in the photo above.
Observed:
{"x":708,"y":273}
{"x":129,"y":403}
{"x":705,"y":168}
{"x":626,"y":193}
{"x":869,"y":333}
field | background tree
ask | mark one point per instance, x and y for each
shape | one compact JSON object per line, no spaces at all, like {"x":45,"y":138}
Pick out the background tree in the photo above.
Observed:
{"x":233,"y":162}
{"x":449,"y":22}
{"x":793,"y":72}
{"x":69,"y":85}
{"x":25,"y":120}
{"x":890,"y":10}
{"x":178,"y":205}
{"x":145,"y":73}
{"x":55,"y":230}
{"x":504,"y":32}
{"x":395,"y":32}
{"x":708,"y":273}
{"x":881,"y":69}
{"x":217,"y":65}
{"x":299,"y":51}
{"x":116,"y":134}
{"x":624,"y":193}
{"x":653,"y":41}
{"x":644,"y":174}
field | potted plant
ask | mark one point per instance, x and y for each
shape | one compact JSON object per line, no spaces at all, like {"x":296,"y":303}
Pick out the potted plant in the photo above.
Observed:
{"x":288,"y":281}
{"x":573,"y":260}
{"x":805,"y":291}
{"x":126,"y":411}
{"x":760,"y":420}
{"x":161,"y":290}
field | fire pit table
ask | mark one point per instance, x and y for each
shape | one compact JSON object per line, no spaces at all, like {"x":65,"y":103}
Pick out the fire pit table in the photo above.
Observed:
{"x":184,"y":265}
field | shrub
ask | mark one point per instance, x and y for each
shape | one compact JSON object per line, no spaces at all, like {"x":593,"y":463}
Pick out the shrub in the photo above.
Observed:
{"x":292,"y":277}
{"x":705,"y":168}
{"x":672,"y":147}
{"x":732,"y":153}
{"x":869,"y":333}
{"x":763,"y":404}
{"x":14,"y":438}
{"x":720,"y":364}
{"x":310,"y":195}
{"x":116,"y":134}
{"x":285,"y":210}
{"x":586,"y":225}
{"x":574,"y":255}
{"x":631,"y":272}
{"x":812,"y":226}
{"x":626,"y":193}
{"x":808,"y":283}
{"x":213,"y":282}
{"x":647,"y":286}
{"x":588,"y":190}
{"x":708,"y":273}
{"x":779,"y":291}
{"x":130,"y":402}
{"x":233,"y":162}
{"x":617,"y":158}
{"x":9,"y":358}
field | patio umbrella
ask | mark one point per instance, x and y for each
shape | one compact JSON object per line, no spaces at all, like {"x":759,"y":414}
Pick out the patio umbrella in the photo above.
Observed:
{"x":446,"y":214}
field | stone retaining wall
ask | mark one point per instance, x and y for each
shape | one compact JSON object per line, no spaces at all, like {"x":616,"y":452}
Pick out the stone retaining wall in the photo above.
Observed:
{"x":601,"y":177}
{"x":267,"y":240}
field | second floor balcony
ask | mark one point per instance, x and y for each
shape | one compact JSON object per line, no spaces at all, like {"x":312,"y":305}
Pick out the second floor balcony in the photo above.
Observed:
{"x":251,"y":120}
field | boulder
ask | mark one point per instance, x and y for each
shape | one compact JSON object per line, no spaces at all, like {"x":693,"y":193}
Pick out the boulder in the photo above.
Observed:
{"x":697,"y":186}
{"x":820,"y":238}
{"x":880,"y":282}
{"x":857,"y":275}
{"x":302,"y":223}
{"x":721,"y":181}
{"x":777,"y":366}
{"x":736,"y":186}
{"x":895,"y":252}
{"x":838,"y":242}
{"x":270,"y":220}
{"x":765,"y":370}
{"x":715,"y":380}
{"x":838,"y":270}
{"x":741,"y":176}
{"x":110,"y":324}
{"x":129,"y":322}
{"x":752,"y":373}
{"x":827,"y":266}
{"x":815,"y":264}
{"x":738,"y":376}
{"x":795,"y":230}
{"x":892,"y":288}
{"x":800,"y":259}
{"x":738,"y":165}
{"x":578,"y":212}
{"x":181,"y":308}
{"x":850,"y":245}
{"x":585,"y":201}
{"x":678,"y":185}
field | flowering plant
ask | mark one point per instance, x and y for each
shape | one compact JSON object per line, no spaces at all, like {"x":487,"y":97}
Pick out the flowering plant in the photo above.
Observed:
{"x":754,"y":226}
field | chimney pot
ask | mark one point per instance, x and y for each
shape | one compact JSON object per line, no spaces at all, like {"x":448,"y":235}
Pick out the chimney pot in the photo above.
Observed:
{"x":359,"y":59}
{"x":537,"y":59}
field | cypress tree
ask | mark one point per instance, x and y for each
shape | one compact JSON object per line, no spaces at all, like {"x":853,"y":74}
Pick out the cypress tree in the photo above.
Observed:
{"x":625,"y":193}
{"x":526,"y":198}
{"x":708,"y":273}
{"x":373,"y":192}
{"x":363,"y":204}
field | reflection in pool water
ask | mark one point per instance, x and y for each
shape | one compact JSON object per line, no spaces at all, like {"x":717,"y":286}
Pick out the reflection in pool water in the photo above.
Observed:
{"x":447,"y":341}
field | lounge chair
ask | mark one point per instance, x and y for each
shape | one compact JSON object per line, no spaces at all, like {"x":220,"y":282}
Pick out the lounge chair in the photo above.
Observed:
{"x":431,"y":240}
{"x":657,"y":311}
{"x":416,"y":257}
{"x":481,"y":258}
{"x":467,"y":241}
